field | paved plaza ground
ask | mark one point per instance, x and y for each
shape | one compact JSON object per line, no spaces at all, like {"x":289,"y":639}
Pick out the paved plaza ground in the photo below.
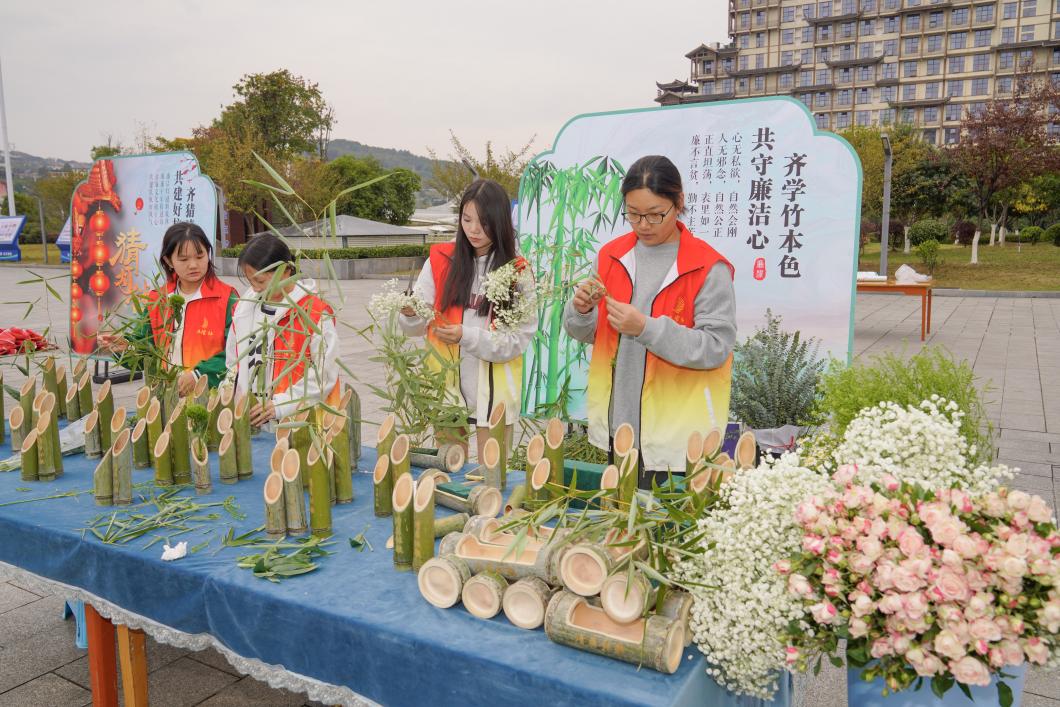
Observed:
{"x":1012,"y":343}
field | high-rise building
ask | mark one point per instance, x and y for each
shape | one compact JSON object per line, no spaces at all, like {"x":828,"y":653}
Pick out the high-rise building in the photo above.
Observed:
{"x":864,"y":62}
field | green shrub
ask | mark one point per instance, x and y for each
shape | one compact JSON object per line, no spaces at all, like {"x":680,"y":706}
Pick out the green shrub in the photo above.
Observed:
{"x":1053,"y":234}
{"x":963,"y":232}
{"x":847,"y":390}
{"x":928,"y":252}
{"x":385,"y":251}
{"x":927,"y":230}
{"x":1032,"y":234}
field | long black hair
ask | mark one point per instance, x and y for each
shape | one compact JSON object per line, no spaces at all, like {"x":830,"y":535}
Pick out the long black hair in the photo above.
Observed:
{"x":177,"y":235}
{"x":266,"y":251}
{"x":658,"y":175}
{"x":495,"y":213}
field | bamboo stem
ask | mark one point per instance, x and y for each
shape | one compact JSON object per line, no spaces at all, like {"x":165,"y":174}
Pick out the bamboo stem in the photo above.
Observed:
{"x":402,"y":503}
{"x":163,"y":459}
{"x":73,"y":405}
{"x":179,"y":443}
{"x":525,"y":602}
{"x":141,"y":445}
{"x":275,"y":512}
{"x":476,"y":500}
{"x":117,"y":422}
{"x":30,"y":459}
{"x":491,"y":464}
{"x":300,"y":438}
{"x":483,"y":593}
{"x":387,"y":434}
{"x":498,"y":431}
{"x":383,"y":487}
{"x":45,"y":451}
{"x":423,"y":523}
{"x":553,"y":451}
{"x":241,"y":425}
{"x":53,"y":426}
{"x":105,"y":405}
{"x":121,"y":464}
{"x":448,"y":457}
{"x":17,"y":421}
{"x":746,"y":451}
{"x":293,"y":494}
{"x":50,"y":377}
{"x":319,"y":493}
{"x":93,"y":443}
{"x":694,"y":451}
{"x":442,"y":579}
{"x":26,"y":396}
{"x":85,"y":398}
{"x":79,"y":369}
{"x":450,"y":524}
{"x":627,"y":596}
{"x":538,"y":480}
{"x":226,"y":452}
{"x":213,"y":406}
{"x":143,"y":401}
{"x":60,"y":392}
{"x":516,"y":498}
{"x":399,"y":457}
{"x":103,"y":481}
{"x":201,"y":390}
{"x":200,"y":458}
{"x":353,"y":422}
{"x":153,"y":418}
{"x":343,"y":462}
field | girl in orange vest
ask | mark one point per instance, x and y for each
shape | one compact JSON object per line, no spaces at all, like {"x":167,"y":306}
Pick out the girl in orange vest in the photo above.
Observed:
{"x":663,"y":326}
{"x":490,"y":367}
{"x":194,"y":339}
{"x":270,"y":337}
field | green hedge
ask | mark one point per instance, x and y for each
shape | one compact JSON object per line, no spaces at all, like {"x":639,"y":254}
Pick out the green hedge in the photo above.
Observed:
{"x":928,"y":230}
{"x":386,"y":251}
{"x":1032,"y":234}
{"x":1053,"y":234}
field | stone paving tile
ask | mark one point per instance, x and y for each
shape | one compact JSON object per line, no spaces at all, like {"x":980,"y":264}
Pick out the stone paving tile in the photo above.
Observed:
{"x":252,"y":693}
{"x":1044,"y":682}
{"x":49,"y":690}
{"x":41,"y":616}
{"x":12,"y":597}
{"x":1029,"y":423}
{"x":159,"y":655}
{"x":40,"y":654}
{"x":185,"y":682}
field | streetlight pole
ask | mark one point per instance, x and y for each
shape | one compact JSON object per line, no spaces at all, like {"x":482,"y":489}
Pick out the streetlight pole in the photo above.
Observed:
{"x":7,"y":150}
{"x":885,"y":227}
{"x":43,"y":233}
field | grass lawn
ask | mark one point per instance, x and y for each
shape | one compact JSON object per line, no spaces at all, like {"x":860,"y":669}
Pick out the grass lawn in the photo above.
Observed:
{"x":1030,"y":267}
{"x":32,"y":254}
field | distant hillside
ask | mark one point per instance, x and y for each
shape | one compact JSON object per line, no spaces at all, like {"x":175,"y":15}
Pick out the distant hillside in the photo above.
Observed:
{"x":28,"y":168}
{"x":388,"y":157}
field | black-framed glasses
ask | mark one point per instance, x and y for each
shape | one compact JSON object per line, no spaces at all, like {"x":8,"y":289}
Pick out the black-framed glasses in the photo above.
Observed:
{"x":651,"y":219}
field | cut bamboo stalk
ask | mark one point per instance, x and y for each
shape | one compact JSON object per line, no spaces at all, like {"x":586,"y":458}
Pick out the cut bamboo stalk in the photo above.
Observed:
{"x":143,"y":401}
{"x":180,"y":447}
{"x":491,"y":464}
{"x":30,"y":459}
{"x":609,"y":486}
{"x":712,"y":443}
{"x":241,"y":425}
{"x":352,"y":406}
{"x":121,"y":466}
{"x":483,"y":593}
{"x":79,"y":369}
{"x":117,"y":422}
{"x":3,"y":414}
{"x":200,"y":463}
{"x":153,"y":418}
{"x":450,"y":524}
{"x":93,"y":442}
{"x":17,"y":421}
{"x":694,"y":451}
{"x":343,"y":462}
{"x":163,"y":459}
{"x":141,"y":445}
{"x":50,"y":377}
{"x":293,"y":494}
{"x":103,"y":481}
{"x":721,"y":457}
{"x":329,"y":462}
{"x":276,"y":457}
{"x":655,"y":642}
{"x":539,"y":479}
{"x":283,"y":434}
{"x":45,"y":450}
{"x":383,"y":487}
{"x":105,"y":405}
{"x":386,"y":435}
{"x":86,"y":400}
{"x":439,"y":476}
{"x":227,"y":393}
{"x":525,"y":602}
{"x":224,"y":421}
{"x":73,"y":404}
{"x":480,"y":556}
{"x":226,"y":453}
{"x":746,"y":451}
{"x":201,"y":390}
{"x":498,"y":430}
{"x":515,"y":498}
{"x":623,"y":443}
{"x":275,"y":510}
{"x":300,"y":436}
{"x":488,"y":531}
{"x":584,"y":568}
{"x":554,"y":450}
{"x":423,"y":523}
{"x":51,"y":407}
{"x":402,"y":505}
{"x":319,"y":493}
{"x":441,"y":580}
{"x":627,"y":596}
{"x":61,"y":391}
{"x":448,"y":457}
{"x":213,"y":407}
{"x":26,"y":397}
{"x":476,"y":500}
{"x":677,"y":605}
{"x":399,"y":456}
{"x":627,"y":477}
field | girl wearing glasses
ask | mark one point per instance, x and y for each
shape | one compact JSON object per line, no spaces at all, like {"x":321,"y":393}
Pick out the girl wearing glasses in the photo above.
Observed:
{"x":661,"y":318}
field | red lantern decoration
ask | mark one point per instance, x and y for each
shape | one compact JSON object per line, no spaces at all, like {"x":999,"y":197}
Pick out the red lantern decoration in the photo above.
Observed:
{"x":100,"y":222}
{"x":99,"y":283}
{"x":139,"y":204}
{"x":100,"y":253}
{"x":76,"y":269}
{"x":75,"y":314}
{"x":75,"y":291}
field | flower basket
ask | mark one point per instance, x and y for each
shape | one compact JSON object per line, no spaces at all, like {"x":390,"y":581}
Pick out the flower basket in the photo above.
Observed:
{"x":870,"y":693}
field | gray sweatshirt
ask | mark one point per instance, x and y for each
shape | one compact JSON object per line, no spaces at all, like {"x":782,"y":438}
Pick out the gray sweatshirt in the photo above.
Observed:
{"x":705,"y":345}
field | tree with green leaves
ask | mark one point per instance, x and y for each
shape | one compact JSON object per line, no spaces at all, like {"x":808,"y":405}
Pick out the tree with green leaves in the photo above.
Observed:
{"x":392,"y":200}
{"x":908,"y":150}
{"x":55,"y":191}
{"x":286,"y":111}
{"x":25,"y":205}
{"x":453,"y":176}
{"x":112,"y":148}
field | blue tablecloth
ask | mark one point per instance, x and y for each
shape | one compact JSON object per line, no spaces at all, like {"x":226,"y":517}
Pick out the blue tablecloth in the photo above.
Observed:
{"x":354,"y":622}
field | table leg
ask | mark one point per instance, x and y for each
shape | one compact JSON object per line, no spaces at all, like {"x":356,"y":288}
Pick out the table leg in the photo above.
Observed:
{"x":923,"y":315}
{"x":102,"y":667}
{"x":132,"y":652}
{"x":931,"y":305}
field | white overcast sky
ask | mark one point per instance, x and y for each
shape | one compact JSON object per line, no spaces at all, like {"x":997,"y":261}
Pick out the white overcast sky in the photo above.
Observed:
{"x":400,"y":73}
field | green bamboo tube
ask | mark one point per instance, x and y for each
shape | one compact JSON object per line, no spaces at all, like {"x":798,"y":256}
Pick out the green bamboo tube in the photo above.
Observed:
{"x":399,"y":457}
{"x":441,"y":580}
{"x":275,"y":511}
{"x":201,"y":391}
{"x":498,"y":431}
{"x":50,"y":377}
{"x":488,"y":530}
{"x":694,"y":451}
{"x":538,"y":480}
{"x":627,"y":596}
{"x":227,"y":394}
{"x":179,"y":444}
{"x":476,"y":500}
{"x":655,"y":642}
{"x":319,"y":493}
{"x":448,"y":457}
{"x":483,"y":593}
{"x":26,"y":397}
{"x":73,"y":405}
{"x":52,"y":409}
{"x":213,"y":406}
{"x":79,"y":369}
{"x":200,"y":464}
{"x":30,"y":459}
{"x":163,"y":457}
{"x":103,"y":481}
{"x":105,"y":405}
{"x":343,"y":463}
{"x":17,"y":421}
{"x":329,"y":462}
{"x":224,"y":422}
{"x":93,"y":442}
{"x":423,"y":523}
{"x":241,"y":426}
{"x":609,"y":487}
{"x":293,"y":494}
{"x":492,"y":473}
{"x":712,"y":443}
{"x":623,"y":443}
{"x":300,"y":437}
{"x":746,"y":451}
{"x":525,"y":602}
{"x":387,"y":434}
{"x":121,"y":467}
{"x":117,"y":421}
{"x":61,"y":390}
{"x":554,"y":450}
{"x":515,"y":498}
{"x":143,"y":401}
{"x":677,"y":605}
{"x":450,"y":524}
{"x":352,"y":406}
{"x":383,"y":487}
{"x":226,"y":453}
{"x":86,"y":400}
{"x":153,"y":418}
{"x":585,"y":567}
{"x":403,"y":529}
{"x":480,"y":557}
{"x":627,"y":478}
{"x":141,"y":445}
{"x":439,"y":476}
{"x":45,"y":451}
